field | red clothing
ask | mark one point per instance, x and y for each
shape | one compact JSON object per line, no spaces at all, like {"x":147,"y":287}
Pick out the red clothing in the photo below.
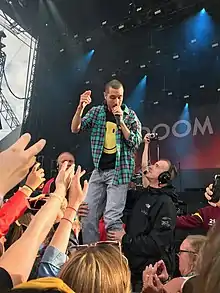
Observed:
{"x":102,"y":231}
{"x":13,"y":209}
{"x":47,"y":186}
{"x":203,"y":218}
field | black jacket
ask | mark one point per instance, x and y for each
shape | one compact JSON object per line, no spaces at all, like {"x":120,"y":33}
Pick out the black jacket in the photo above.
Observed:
{"x":150,"y":230}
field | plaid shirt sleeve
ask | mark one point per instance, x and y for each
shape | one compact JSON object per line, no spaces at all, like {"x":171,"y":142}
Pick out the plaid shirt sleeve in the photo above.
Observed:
{"x":88,"y":120}
{"x":134,"y":126}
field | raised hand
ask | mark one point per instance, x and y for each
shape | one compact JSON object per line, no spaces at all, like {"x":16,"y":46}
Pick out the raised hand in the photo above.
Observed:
{"x":36,"y":177}
{"x":16,"y":161}
{"x":146,"y":139}
{"x":77,"y":194}
{"x":64,"y":178}
{"x":161,"y":271}
{"x":85,"y":99}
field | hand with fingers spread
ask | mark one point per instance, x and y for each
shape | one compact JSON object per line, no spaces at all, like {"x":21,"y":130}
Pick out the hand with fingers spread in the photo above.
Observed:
{"x":77,"y":194}
{"x":151,"y":282}
{"x":85,"y":99}
{"x":16,"y":161}
{"x":64,"y":178}
{"x":36,"y":177}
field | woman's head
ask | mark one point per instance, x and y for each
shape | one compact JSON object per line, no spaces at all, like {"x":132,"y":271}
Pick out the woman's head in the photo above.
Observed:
{"x":189,"y":250}
{"x":17,"y":229}
{"x":97,"y":269}
{"x":208,"y":266}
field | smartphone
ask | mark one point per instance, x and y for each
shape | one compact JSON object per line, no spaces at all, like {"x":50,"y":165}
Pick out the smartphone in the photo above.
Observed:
{"x":216,"y":190}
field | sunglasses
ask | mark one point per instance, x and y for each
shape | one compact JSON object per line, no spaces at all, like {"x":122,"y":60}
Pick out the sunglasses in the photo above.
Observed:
{"x":99,"y":243}
{"x":186,"y":251}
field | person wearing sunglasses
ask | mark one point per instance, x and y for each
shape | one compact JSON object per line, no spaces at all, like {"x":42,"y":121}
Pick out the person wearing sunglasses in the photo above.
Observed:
{"x":188,"y":256}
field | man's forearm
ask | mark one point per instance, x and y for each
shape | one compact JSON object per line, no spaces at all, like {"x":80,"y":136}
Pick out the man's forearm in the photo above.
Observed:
{"x":76,"y":122}
{"x":126,"y":132}
{"x":144,"y":162}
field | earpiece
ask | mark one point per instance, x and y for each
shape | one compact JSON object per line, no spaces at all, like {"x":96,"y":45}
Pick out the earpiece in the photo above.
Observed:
{"x":166,"y":177}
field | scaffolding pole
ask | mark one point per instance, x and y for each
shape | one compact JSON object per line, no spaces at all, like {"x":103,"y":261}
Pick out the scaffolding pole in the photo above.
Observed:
{"x":5,"y":108}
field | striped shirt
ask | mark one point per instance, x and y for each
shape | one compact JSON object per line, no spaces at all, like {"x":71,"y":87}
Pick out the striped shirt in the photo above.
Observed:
{"x":95,"y":119}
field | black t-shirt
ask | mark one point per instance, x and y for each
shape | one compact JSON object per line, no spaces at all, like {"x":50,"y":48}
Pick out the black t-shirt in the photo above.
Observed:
{"x":5,"y":280}
{"x":108,"y":158}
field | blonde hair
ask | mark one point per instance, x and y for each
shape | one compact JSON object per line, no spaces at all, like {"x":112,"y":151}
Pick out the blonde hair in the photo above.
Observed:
{"x":208,"y":280}
{"x":97,"y":269}
{"x":196,"y":242}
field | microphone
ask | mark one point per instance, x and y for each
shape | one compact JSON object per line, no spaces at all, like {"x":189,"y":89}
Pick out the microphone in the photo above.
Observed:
{"x":118,"y":117}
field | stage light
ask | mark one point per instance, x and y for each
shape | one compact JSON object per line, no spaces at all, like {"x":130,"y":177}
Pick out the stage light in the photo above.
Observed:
{"x":126,"y":61}
{"x":202,"y":86}
{"x":121,"y":26}
{"x":158,"y":52}
{"x":88,"y":39}
{"x":113,"y":74}
{"x":75,"y":36}
{"x":139,"y":9}
{"x":218,"y":90}
{"x":87,"y":82}
{"x":156,"y":103}
{"x":193,"y":41}
{"x":157,"y":12}
{"x":176,"y":56}
{"x":203,"y":11}
{"x":215,"y":45}
{"x":104,"y":22}
{"x":187,"y":105}
{"x":62,"y":50}
{"x":142,"y":66}
{"x":186,"y":97}
{"x":170,"y":94}
{"x":100,"y":69}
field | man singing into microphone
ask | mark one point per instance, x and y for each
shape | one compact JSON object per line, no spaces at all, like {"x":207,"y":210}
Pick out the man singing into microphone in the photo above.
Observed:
{"x":115,"y":135}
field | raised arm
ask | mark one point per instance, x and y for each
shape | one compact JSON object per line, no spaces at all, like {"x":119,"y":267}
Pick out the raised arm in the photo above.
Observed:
{"x":85,"y":99}
{"x":145,"y":161}
{"x":55,"y":254}
{"x":18,"y":260}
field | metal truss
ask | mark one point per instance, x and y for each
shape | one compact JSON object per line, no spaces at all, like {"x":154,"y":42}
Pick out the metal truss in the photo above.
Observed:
{"x":5,"y":108}
{"x":23,"y":35}
{"x":30,"y":84}
{"x":13,"y":27}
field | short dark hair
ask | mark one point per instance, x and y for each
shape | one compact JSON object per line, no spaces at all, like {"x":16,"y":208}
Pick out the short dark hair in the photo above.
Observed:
{"x":172,"y":168}
{"x":115,"y":84}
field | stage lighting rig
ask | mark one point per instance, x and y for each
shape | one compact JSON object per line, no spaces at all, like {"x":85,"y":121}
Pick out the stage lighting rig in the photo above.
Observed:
{"x":2,"y":36}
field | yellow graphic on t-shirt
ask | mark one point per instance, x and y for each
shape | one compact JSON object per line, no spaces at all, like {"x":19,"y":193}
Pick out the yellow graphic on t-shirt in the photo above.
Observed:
{"x":110,"y":138}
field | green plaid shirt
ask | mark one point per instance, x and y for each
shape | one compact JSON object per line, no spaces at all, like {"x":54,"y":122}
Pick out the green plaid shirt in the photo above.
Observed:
{"x":95,"y":119}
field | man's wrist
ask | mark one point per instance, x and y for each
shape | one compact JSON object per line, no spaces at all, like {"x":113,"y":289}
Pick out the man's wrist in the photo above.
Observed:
{"x":122,"y":123}
{"x":79,"y":110}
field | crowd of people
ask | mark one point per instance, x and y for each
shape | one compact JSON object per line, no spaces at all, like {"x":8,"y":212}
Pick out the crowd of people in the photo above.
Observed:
{"x":67,"y":235}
